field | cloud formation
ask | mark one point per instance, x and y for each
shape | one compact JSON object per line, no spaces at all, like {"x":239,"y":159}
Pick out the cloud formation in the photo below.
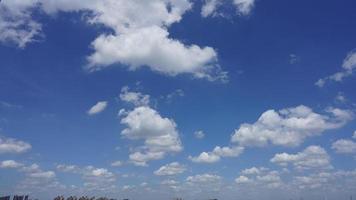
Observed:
{"x":173,"y":168}
{"x":11,"y":145}
{"x":138,"y":39}
{"x":98,"y":108}
{"x":243,"y":7}
{"x":289,"y":127}
{"x":348,"y":68}
{"x":10,"y":164}
{"x":344,"y":146}
{"x":313,"y":157}
{"x":159,"y":134}
{"x":218,"y":153}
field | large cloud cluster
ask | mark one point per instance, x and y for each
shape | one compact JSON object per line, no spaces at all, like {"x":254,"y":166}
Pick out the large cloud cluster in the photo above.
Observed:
{"x":289,"y":127}
{"x":159,"y":134}
{"x":139,"y":34}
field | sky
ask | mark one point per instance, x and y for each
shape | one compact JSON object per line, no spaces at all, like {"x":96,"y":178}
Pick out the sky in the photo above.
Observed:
{"x":199,"y":99}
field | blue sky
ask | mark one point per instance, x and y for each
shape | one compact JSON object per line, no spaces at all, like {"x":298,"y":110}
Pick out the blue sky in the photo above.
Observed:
{"x":229,"y":99}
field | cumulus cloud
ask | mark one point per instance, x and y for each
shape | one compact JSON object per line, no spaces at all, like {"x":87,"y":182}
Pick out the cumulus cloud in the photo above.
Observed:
{"x":199,"y":134}
{"x":243,"y":7}
{"x":203,"y":179}
{"x":98,"y":108}
{"x":99,"y":179}
{"x":354,"y":136}
{"x":344,"y":146}
{"x":173,"y":168}
{"x":217,"y":154}
{"x":37,"y":179}
{"x":138,"y":39}
{"x":8,"y":164}
{"x":11,"y":145}
{"x":253,"y":171}
{"x":313,"y":157}
{"x":261,"y":177}
{"x":159,"y":134}
{"x":136,"y":98}
{"x":348,"y":68}
{"x":312,"y":181}
{"x":289,"y":127}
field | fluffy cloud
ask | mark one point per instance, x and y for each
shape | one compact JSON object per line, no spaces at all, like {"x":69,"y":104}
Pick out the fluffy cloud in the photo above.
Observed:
{"x":313,"y":181}
{"x":253,"y":171}
{"x":344,"y":146}
{"x":98,"y":108}
{"x":10,"y":145}
{"x":16,"y":24}
{"x":170,"y":169}
{"x":313,"y":157}
{"x":354,"y":136}
{"x":99,"y":179}
{"x":138,"y":38}
{"x":203,"y":179}
{"x":261,"y":177}
{"x":159,"y":134}
{"x":136,"y":98}
{"x":348,"y":68}
{"x":243,"y":7}
{"x":199,"y":134}
{"x":289,"y":127}
{"x":150,"y":46}
{"x":217,"y":154}
{"x":10,"y":164}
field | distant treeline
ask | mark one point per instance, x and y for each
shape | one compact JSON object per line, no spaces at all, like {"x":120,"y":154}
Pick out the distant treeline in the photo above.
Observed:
{"x":81,"y":198}
{"x":25,"y":197}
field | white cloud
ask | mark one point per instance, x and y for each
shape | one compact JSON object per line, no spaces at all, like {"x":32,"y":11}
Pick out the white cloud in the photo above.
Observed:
{"x":243,"y":7}
{"x":253,"y":171}
{"x":16,"y":24}
{"x":209,"y":8}
{"x":100,"y":179}
{"x":117,"y":163}
{"x":138,"y":39}
{"x":199,"y":134}
{"x":261,"y":177}
{"x":10,"y":145}
{"x":242,"y":180}
{"x":159,"y":134}
{"x":152,"y":47}
{"x":217,"y":154}
{"x":136,"y":98}
{"x":354,"y":136}
{"x":173,"y":168}
{"x":289,"y":127}
{"x":98,"y":108}
{"x":10,"y":164}
{"x":312,"y":181}
{"x":203,"y":179}
{"x":348,"y":68}
{"x":313,"y":157}
{"x":344,"y":146}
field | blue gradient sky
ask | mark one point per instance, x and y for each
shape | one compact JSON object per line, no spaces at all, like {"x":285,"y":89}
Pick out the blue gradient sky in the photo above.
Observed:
{"x":273,"y":56}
